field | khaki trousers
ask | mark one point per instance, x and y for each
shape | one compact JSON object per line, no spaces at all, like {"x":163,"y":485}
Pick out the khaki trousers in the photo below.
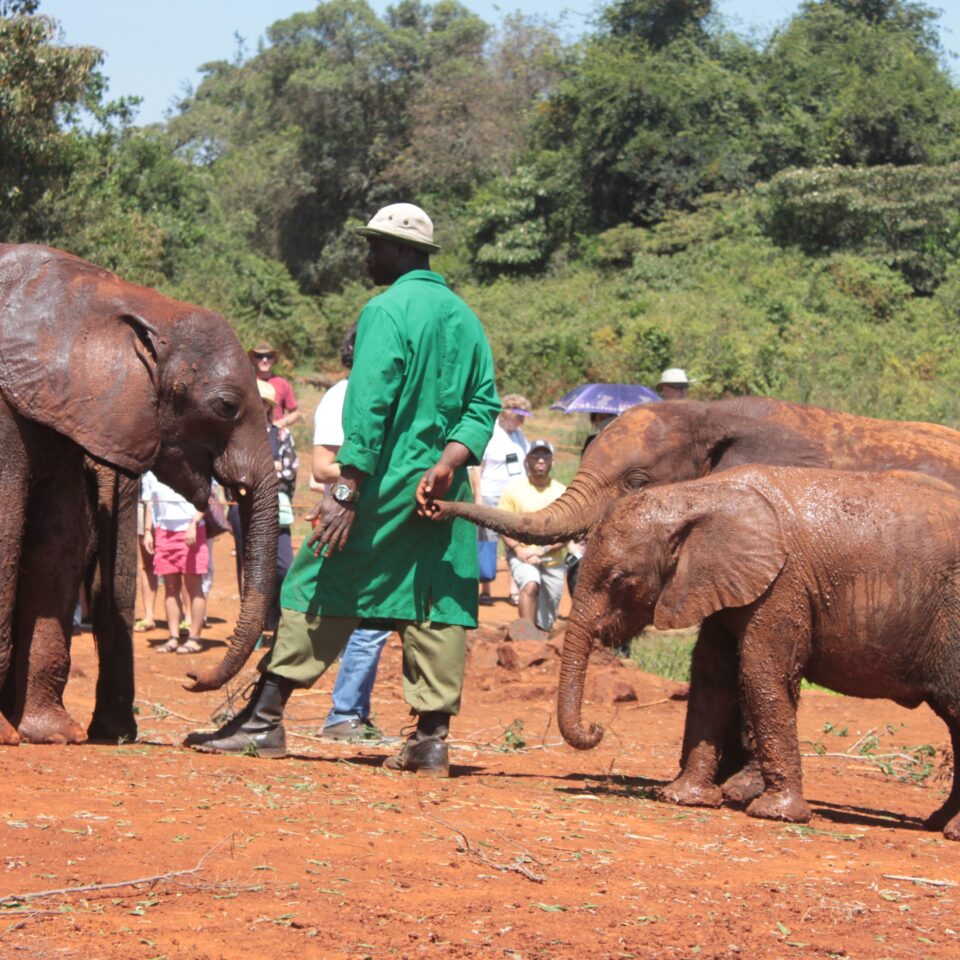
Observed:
{"x":434,"y":655}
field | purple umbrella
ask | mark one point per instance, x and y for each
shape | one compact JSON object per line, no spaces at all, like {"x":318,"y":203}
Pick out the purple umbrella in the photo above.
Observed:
{"x":604,"y":398}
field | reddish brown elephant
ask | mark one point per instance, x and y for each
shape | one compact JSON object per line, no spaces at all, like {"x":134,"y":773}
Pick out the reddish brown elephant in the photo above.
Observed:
{"x":680,"y":440}
{"x":662,"y":443}
{"x":850,"y":579}
{"x":101,"y":380}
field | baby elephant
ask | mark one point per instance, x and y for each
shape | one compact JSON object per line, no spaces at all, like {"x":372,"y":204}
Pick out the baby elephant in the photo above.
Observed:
{"x":850,"y":579}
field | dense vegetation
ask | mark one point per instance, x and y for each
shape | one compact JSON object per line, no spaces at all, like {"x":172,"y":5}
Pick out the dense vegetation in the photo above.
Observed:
{"x":778,"y":216}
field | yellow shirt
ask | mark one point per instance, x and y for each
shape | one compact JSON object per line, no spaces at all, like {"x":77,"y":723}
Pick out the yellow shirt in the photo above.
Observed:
{"x":521,"y":496}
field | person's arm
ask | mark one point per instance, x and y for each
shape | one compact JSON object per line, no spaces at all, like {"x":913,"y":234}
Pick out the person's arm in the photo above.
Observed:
{"x":323,"y":466}
{"x":191,"y":532}
{"x":148,"y":528}
{"x":290,"y":418}
{"x":469,"y":437}
{"x":474,"y":474}
{"x":379,"y":366}
{"x":528,"y":553}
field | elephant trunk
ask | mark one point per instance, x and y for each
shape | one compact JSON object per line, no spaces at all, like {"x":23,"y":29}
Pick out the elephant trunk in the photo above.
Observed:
{"x":573,"y":669}
{"x":569,"y":516}
{"x":258,"y":521}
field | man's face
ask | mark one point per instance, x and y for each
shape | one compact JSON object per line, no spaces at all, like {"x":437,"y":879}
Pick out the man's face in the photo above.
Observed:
{"x":264,"y":362}
{"x":539,"y":462}
{"x":383,"y":261}
{"x":673,"y":391}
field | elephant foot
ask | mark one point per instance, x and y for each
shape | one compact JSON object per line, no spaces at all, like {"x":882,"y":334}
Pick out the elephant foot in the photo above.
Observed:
{"x":745,"y":785}
{"x":112,"y":728}
{"x":786,"y":805}
{"x":8,"y":735}
{"x":689,"y":793}
{"x":54,"y":725}
{"x":952,"y":830}
{"x":942,"y":819}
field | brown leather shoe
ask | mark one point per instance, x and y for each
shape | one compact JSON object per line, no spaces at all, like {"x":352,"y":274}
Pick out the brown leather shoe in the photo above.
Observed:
{"x":427,"y":757}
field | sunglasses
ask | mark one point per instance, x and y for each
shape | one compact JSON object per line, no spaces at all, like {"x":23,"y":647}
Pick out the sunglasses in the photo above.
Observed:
{"x":264,"y":356}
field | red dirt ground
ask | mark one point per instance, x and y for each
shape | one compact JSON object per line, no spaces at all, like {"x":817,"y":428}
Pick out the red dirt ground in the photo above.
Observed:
{"x":537,"y":852}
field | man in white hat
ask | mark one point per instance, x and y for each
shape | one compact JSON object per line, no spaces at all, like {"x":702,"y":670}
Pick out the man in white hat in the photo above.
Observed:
{"x":673,"y":384}
{"x":419,"y":408}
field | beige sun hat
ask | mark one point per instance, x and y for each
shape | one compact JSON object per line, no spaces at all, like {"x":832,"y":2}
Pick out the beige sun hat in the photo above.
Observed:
{"x":268,"y":393}
{"x":674,"y":376}
{"x":405,"y":223}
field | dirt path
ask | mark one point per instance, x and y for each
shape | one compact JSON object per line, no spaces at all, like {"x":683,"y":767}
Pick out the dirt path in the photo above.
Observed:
{"x":531,"y":850}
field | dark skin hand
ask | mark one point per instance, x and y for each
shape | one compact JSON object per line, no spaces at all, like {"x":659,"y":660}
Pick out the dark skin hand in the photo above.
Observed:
{"x":331,"y":519}
{"x":435,"y":483}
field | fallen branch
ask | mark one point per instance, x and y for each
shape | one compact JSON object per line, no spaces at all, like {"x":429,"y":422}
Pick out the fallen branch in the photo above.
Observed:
{"x":925,"y":880}
{"x":156,"y":878}
{"x":465,"y":846}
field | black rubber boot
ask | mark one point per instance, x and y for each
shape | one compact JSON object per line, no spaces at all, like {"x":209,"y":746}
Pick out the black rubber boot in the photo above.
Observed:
{"x":425,"y":751}
{"x":258,"y":730}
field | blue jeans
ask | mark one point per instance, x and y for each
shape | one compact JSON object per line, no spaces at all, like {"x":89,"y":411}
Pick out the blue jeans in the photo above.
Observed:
{"x":356,"y":676}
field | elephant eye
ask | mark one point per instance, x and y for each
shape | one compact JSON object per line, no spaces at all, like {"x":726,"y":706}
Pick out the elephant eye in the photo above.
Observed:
{"x":226,"y":407}
{"x":636,"y":479}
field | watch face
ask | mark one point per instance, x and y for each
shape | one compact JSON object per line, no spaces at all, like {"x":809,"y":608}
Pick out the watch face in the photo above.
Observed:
{"x":343,"y":493}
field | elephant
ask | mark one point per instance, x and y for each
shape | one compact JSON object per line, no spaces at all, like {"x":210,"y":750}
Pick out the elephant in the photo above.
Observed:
{"x":850,"y":579}
{"x":100,"y":381}
{"x":666,"y":442}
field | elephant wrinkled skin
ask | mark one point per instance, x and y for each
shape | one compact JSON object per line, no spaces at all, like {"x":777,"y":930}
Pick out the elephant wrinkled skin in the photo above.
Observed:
{"x":850,"y":579}
{"x":101,"y":380}
{"x":660,"y":443}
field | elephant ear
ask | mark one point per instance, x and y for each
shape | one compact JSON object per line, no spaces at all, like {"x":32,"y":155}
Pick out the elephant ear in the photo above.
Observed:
{"x":727,"y":547}
{"x":78,"y":355}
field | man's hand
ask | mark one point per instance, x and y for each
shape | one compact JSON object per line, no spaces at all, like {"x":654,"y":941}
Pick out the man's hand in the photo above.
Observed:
{"x":331,"y":521}
{"x":528,"y":554}
{"x":436,"y":482}
{"x":432,"y":486}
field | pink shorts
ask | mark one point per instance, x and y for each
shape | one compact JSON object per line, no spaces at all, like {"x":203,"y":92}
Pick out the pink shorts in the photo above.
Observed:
{"x":172,"y":555}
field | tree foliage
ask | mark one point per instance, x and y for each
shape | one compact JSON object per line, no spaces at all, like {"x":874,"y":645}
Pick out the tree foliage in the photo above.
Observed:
{"x":42,"y":85}
{"x":777,"y":215}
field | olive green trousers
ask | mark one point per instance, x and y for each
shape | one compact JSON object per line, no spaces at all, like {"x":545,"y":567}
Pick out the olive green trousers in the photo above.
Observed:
{"x":434,"y":655}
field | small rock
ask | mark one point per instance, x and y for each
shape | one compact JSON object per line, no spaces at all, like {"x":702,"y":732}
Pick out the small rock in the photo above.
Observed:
{"x":521,"y":654}
{"x":605,"y":687}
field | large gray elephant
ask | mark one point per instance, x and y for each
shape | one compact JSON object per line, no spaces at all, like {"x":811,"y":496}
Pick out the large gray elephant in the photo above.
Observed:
{"x":101,"y":380}
{"x":851,"y":579}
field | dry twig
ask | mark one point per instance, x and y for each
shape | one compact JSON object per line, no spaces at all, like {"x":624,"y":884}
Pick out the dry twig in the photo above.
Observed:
{"x":156,"y":878}
{"x":925,"y":880}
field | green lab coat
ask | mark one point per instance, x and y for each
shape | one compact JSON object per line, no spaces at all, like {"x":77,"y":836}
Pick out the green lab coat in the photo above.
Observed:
{"x":422,"y":376}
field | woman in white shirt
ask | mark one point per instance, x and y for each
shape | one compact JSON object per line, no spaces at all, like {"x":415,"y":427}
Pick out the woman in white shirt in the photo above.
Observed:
{"x":502,"y":461}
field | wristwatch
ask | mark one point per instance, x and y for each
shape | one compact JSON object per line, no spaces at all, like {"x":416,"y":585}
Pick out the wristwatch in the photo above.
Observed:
{"x":343,"y":494}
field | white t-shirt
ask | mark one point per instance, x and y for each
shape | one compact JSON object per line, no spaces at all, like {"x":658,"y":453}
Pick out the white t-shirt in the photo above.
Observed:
{"x":496,"y":470}
{"x":170,"y":510}
{"x":328,"y":420}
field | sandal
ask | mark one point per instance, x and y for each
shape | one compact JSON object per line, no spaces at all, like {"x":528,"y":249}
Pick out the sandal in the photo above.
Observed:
{"x":190,"y":645}
{"x":171,"y":646}
{"x":144,"y":626}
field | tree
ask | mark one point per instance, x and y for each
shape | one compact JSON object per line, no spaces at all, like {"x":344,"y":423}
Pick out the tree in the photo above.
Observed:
{"x":42,"y":86}
{"x":857,"y":82}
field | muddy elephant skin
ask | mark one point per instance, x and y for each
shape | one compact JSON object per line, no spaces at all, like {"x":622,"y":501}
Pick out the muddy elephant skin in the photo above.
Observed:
{"x":662,"y":443}
{"x":850,"y":579}
{"x":101,"y":380}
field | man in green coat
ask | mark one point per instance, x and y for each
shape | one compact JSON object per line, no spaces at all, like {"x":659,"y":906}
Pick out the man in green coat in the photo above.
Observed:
{"x":419,"y":408}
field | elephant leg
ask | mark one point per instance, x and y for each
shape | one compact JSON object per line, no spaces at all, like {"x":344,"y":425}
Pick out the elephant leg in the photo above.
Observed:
{"x":53,"y":559}
{"x":711,"y":711}
{"x":947,"y":818}
{"x":13,"y":490}
{"x":113,"y":591}
{"x":770,"y":685}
